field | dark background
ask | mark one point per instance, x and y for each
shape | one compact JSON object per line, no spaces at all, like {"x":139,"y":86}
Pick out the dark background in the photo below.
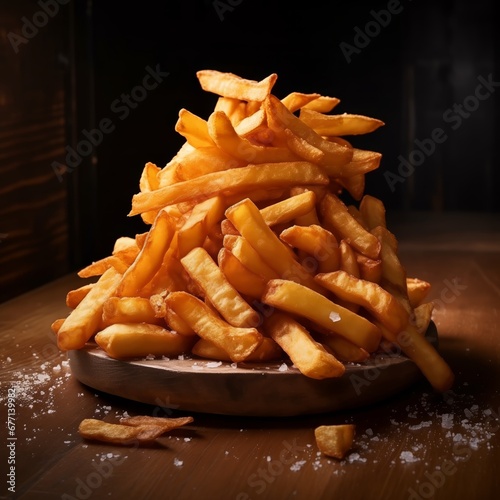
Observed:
{"x":410,"y":70}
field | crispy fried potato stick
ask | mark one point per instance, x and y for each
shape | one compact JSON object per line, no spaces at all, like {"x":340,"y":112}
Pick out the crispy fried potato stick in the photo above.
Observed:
{"x":84,"y":320}
{"x":237,"y":342}
{"x":302,"y":301}
{"x":231,"y":181}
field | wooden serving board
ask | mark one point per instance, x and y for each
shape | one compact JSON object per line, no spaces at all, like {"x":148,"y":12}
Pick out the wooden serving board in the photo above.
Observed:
{"x":245,"y":389}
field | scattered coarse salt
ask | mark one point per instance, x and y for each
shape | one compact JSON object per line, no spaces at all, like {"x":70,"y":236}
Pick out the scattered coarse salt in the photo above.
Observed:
{"x":447,"y":420}
{"x":178,"y":463}
{"x":408,"y":457}
{"x":283,"y":367}
{"x":334,"y":316}
{"x":214,"y":364}
{"x":297,"y":465}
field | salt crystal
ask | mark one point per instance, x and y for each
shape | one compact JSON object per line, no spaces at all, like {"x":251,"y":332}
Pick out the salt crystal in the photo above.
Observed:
{"x":283,"y":367}
{"x":214,"y":364}
{"x":297,"y":465}
{"x":447,"y":420}
{"x":408,"y":457}
{"x":334,"y":316}
{"x":177,"y":462}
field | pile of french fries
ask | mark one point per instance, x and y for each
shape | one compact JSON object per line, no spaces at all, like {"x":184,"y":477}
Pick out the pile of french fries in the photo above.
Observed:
{"x":261,"y":246}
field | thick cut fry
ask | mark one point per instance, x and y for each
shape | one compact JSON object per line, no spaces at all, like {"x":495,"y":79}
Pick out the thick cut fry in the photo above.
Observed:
{"x":245,"y":281}
{"x":280,"y":118}
{"x":74,"y":297}
{"x":121,"y":261}
{"x":247,"y":218}
{"x":230,"y":85}
{"x":194,"y":129}
{"x":126,"y":340}
{"x":335,"y":440}
{"x":289,"y":209}
{"x":200,"y":222}
{"x":150,"y":258}
{"x":237,"y":342}
{"x":345,"y":226}
{"x":128,"y":310}
{"x":302,"y":301}
{"x":343,"y":349}
{"x":310,"y":357}
{"x":149,"y":177}
{"x":384,"y":306}
{"x":268,"y":350}
{"x":361,"y":163}
{"x":249,"y":257}
{"x":98,"y":430}
{"x":226,"y":138}
{"x":317,"y":242}
{"x":418,"y":290}
{"x":423,"y":316}
{"x":236,"y":180}
{"x":369,"y":269}
{"x":373,"y":212}
{"x":348,"y":261}
{"x":84,"y":320}
{"x":218,"y":290}
{"x":339,"y":125}
{"x":302,"y":148}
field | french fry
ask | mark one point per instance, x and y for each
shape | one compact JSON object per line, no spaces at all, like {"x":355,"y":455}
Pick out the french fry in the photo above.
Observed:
{"x":342,"y":124}
{"x":234,"y":180}
{"x":300,"y":300}
{"x":418,"y":290}
{"x":227,"y":139}
{"x":74,"y":297}
{"x":309,"y":356}
{"x":344,"y":226}
{"x":335,"y":440}
{"x":289,"y":209}
{"x":383,"y":305}
{"x":315,"y":241}
{"x":423,"y":316}
{"x":167,"y":424}
{"x":296,"y":100}
{"x":149,"y":177}
{"x":372,"y":210}
{"x":348,"y":260}
{"x":194,"y":129}
{"x":127,"y":340}
{"x":150,"y":258}
{"x":245,"y":281}
{"x":323,"y":104}
{"x":230,"y":85}
{"x":247,"y":218}
{"x":237,"y":342}
{"x":218,"y":290}
{"x":82,"y":323}
{"x":128,"y":310}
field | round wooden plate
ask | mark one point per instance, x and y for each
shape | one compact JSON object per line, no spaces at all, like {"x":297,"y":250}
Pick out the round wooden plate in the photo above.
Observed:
{"x":271,"y":389}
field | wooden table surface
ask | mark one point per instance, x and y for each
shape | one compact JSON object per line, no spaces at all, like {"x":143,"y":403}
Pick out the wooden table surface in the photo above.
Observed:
{"x":417,"y":445}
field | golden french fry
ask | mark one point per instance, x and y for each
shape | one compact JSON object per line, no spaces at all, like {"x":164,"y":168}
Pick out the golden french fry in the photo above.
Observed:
{"x":128,"y":310}
{"x":249,"y":257}
{"x":296,"y":100}
{"x":343,"y":349}
{"x":373,"y":211}
{"x":237,"y":342}
{"x":55,"y":326}
{"x":84,"y":320}
{"x":361,"y":163}
{"x":289,"y":209}
{"x":323,"y":104}
{"x":74,"y":297}
{"x":317,"y":242}
{"x":247,"y":218}
{"x":98,"y":430}
{"x":231,"y":181}
{"x":230,"y":85}
{"x":300,"y":300}
{"x":337,"y":218}
{"x":384,"y":306}
{"x":302,"y":148}
{"x":423,"y":316}
{"x":418,"y":290}
{"x":227,"y":139}
{"x":309,"y":356}
{"x":348,"y":259}
{"x":354,"y":185}
{"x":268,"y":350}
{"x":335,"y":440}
{"x":150,"y":258}
{"x":245,"y":281}
{"x":280,"y":118}
{"x":127,"y":340}
{"x":339,"y":125}
{"x":200,"y":222}
{"x":194,"y":129}
{"x":218,"y":290}
{"x":121,"y":261}
{"x":369,"y":269}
